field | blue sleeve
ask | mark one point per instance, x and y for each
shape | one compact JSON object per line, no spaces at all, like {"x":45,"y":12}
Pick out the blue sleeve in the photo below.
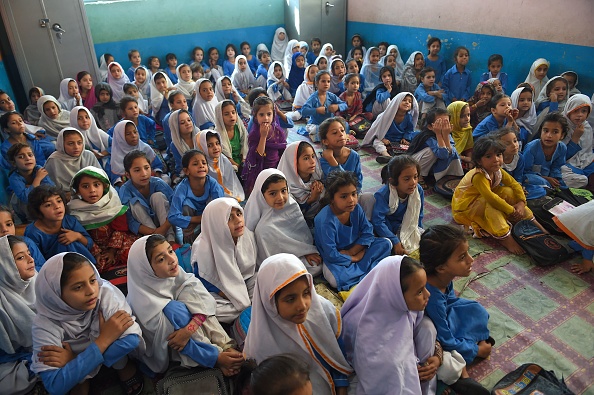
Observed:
{"x":366,"y":236}
{"x":151,"y":128}
{"x":176,"y":216}
{"x":381,"y":95}
{"x":421,"y":213}
{"x":326,"y":236}
{"x":309,"y":108}
{"x":544,"y":105}
{"x":422,"y":95}
{"x":468,"y":90}
{"x":206,"y":125}
{"x":161,"y":186}
{"x":38,"y":152}
{"x":326,"y":168}
{"x":529,"y":159}
{"x":503,"y":80}
{"x":481,"y":129}
{"x":485,"y":76}
{"x":518,"y":173}
{"x":35,"y":253}
{"x":572,"y":149}
{"x":358,"y":171}
{"x":133,"y":224}
{"x":379,"y":219}
{"x":177,"y":157}
{"x":209,"y":287}
{"x":77,"y":227}
{"x":286,"y":125}
{"x":60,"y":381}
{"x":440,"y":152}
{"x":445,"y":85}
{"x":558,"y":161}
{"x":342,"y":106}
{"x":130,"y":73}
{"x":120,"y":348}
{"x":228,"y":68}
{"x":216,"y":190}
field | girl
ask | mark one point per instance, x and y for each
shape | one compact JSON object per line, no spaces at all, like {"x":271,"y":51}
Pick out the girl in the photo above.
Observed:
{"x":82,"y":323}
{"x":95,"y":139}
{"x":488,"y":199}
{"x":537,"y":76}
{"x":456,"y":81}
{"x":216,"y":71}
{"x":225,"y":90}
{"x":304,"y":91}
{"x":523,"y":99}
{"x":251,"y":60}
{"x":353,"y":68}
{"x":480,"y":102}
{"x":183,"y":135}
{"x":394,"y":126}
{"x":358,"y":56}
{"x":572,"y":81}
{"x":579,"y":167}
{"x":304,"y":176}
{"x":386,"y":313}
{"x":266,"y":142}
{"x":32,"y":113}
{"x":296,"y":72}
{"x":104,"y":60}
{"x":337,"y":73}
{"x":198,"y":57}
{"x":292,"y":48}
{"x":343,"y":235}
{"x":411,"y":74}
{"x":428,"y":92}
{"x":242,"y":77}
{"x":185,"y":83}
{"x":513,"y":161}
{"x":336,"y":156}
{"x":354,"y":114}
{"x":100,"y":211}
{"x":229,"y":62}
{"x":132,"y":90}
{"x":154,"y":65}
{"x":219,"y":167}
{"x":171,"y":68}
{"x":321,"y":105}
{"x":147,"y":128}
{"x":105,"y":111}
{"x":142,"y":81}
{"x":434,"y":60}
{"x":234,"y":136}
{"x":398,"y":210}
{"x":433,"y":149}
{"x":502,"y":114}
{"x":288,"y":316}
{"x":86,"y":89}
{"x":161,"y":85}
{"x":356,"y":42}
{"x":399,"y":68}
{"x":444,"y":253}
{"x":224,"y":258}
{"x":279,"y":44}
{"x":15,"y":128}
{"x":53,"y":117}
{"x":55,"y":231}
{"x":70,"y":157}
{"x":116,"y":79}
{"x":263,"y":67}
{"x":277,"y":222}
{"x":553,"y":95}
{"x":69,"y":96}
{"x":204,"y":104}
{"x":459,"y":113}
{"x":192,"y":194}
{"x":322,"y":62}
{"x":17,"y":300}
{"x":379,"y":98}
{"x":371,"y":69}
{"x":178,"y":314}
{"x":280,"y":375}
{"x":7,"y":228}
{"x":495,"y":64}
{"x":278,"y":88}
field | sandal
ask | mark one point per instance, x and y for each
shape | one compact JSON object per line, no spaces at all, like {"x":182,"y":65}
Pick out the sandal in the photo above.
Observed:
{"x":134,"y":385}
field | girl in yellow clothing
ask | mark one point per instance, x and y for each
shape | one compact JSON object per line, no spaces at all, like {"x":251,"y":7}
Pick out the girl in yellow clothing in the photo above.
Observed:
{"x":459,"y":112}
{"x":489,"y":199}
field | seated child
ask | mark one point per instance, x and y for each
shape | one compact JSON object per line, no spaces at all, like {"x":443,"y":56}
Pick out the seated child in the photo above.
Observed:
{"x":216,"y":70}
{"x":7,"y":228}
{"x":551,"y":98}
{"x":537,"y":76}
{"x":371,"y":69}
{"x":242,"y":78}
{"x":459,"y":113}
{"x":286,"y":306}
{"x":53,"y":117}
{"x":343,"y":235}
{"x":398,"y":210}
{"x":252,"y":62}
{"x":322,"y":63}
{"x":292,"y":48}
{"x":277,"y":87}
{"x":116,"y":79}
{"x":522,"y":99}
{"x":147,"y":197}
{"x":304,"y":91}
{"x":513,"y":161}
{"x":502,"y":114}
{"x":277,"y":222}
{"x":132,"y":90}
{"x":198,"y":71}
{"x":105,"y":111}
{"x":12,"y":124}
{"x":456,"y":81}
{"x":488,"y":199}
{"x":171,"y":68}
{"x":263,"y":67}
{"x":96,"y":140}
{"x":353,"y":68}
{"x":204,"y":104}
{"x":393,"y":50}
{"x":578,"y":169}
{"x":178,"y":314}
{"x":383,"y":93}
{"x":99,"y":210}
{"x":177,"y":101}
{"x":142,"y":81}
{"x":494,"y":64}
{"x":276,"y":375}
{"x":572,"y":80}
{"x":69,"y":95}
{"x":229,"y":62}
{"x":480,"y":102}
{"x":154,"y":65}
{"x":337,"y":73}
{"x":161,"y":85}
{"x":279,"y":44}
{"x":192,"y":194}
{"x":412,"y":70}
{"x":434,"y":60}
{"x":32,"y":114}
{"x":573,"y":224}
{"x":316,"y":46}
{"x":225,"y":90}
{"x":234,"y":136}
{"x":135,"y":61}
{"x":72,"y":301}
{"x":104,"y":60}
{"x":86,"y":89}
{"x":183,"y":136}
{"x":428,"y":93}
{"x":336,"y":156}
{"x":352,"y":97}
{"x":185,"y":83}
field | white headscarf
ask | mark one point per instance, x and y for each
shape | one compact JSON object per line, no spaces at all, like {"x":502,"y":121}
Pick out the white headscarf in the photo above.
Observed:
{"x":120,"y":148}
{"x":410,"y":232}
{"x":585,"y":156}
{"x":288,"y":60}
{"x":270,"y":334}
{"x":278,"y":45}
{"x":144,"y":88}
{"x":242,"y":80}
{"x":304,"y":90}
{"x":93,"y":135}
{"x":17,"y":302}
{"x":399,"y":63}
{"x":52,"y":126}
{"x":203,"y":111}
{"x":219,"y":94}
{"x":68,"y":102}
{"x":317,"y":62}
{"x":156,"y":96}
{"x":57,"y":322}
{"x":370,"y":70}
{"x":323,"y":50}
{"x":531,"y":77}
{"x":185,"y":87}
{"x":380,"y":126}
{"x":103,"y":71}
{"x":288,"y":165}
{"x":529,"y":119}
{"x":220,"y":261}
{"x":178,"y":142}
{"x":543,"y":97}
{"x":261,"y":48}
{"x":220,"y":127}
{"x":574,"y":90}
{"x":117,"y":86}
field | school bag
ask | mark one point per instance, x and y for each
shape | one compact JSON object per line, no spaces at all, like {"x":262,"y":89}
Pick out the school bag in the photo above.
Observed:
{"x":531,"y":379}
{"x":446,"y":186}
{"x":541,"y":247}
{"x":182,"y":381}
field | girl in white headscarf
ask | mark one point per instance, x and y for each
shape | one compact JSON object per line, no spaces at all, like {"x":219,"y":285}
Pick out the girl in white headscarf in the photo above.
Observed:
{"x":116,"y":78}
{"x":204,"y":104}
{"x":279,"y":44}
{"x":96,"y":140}
{"x":183,"y":134}
{"x":371,"y":69}
{"x":69,"y":95}
{"x":579,"y":167}
{"x":242,"y":77}
{"x":53,"y":117}
{"x":292,"y":47}
{"x":234,"y":136}
{"x":537,"y":76}
{"x":185,"y":83}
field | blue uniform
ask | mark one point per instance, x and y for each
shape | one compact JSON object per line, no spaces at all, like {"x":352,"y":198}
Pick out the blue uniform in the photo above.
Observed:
{"x":353,"y":163}
{"x":183,"y":196}
{"x":129,"y":195}
{"x":457,"y":84}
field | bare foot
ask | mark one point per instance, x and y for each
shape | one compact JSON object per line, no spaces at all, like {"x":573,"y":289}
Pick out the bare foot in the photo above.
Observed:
{"x":511,"y":245}
{"x":582,"y":268}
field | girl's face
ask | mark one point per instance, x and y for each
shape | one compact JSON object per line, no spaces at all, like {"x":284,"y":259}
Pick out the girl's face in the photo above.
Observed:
{"x":303,"y":50}
{"x":214,"y":147}
{"x":206,"y":92}
{"x":229,"y":116}
{"x":214,"y":55}
{"x":34,"y":97}
{"x":140,"y":172}
{"x":230,"y":53}
{"x":560,"y":89}
{"x":498,"y":86}
{"x":316,"y":46}
{"x":353,"y":85}
{"x":90,"y":189}
{"x":131,"y":111}
{"x":6,"y":103}
{"x":311,"y":73}
{"x":394,"y":53}
{"x":164,"y":261}
{"x":462,"y":57}
{"x":525,"y":101}
{"x":512,"y":147}
{"x":196,"y":75}
{"x":16,"y":125}
{"x":155,"y":63}
{"x":374,"y":57}
{"x":236,"y":223}
{"x":277,"y":194}
{"x":294,"y":300}
{"x":345,"y":199}
{"x":24,"y":261}
{"x":495,"y":67}
{"x":541,"y":71}
{"x":486,"y":94}
{"x":382,"y":50}
{"x":407,"y":181}
{"x":185,"y":73}
{"x":197,"y":167}
{"x":391,"y":61}
{"x":86,"y":82}
{"x":172,"y":63}
{"x":434,"y":48}
{"x":242,"y":64}
{"x":336,"y":136}
{"x":328,"y":51}
{"x":81,"y":290}
{"x":429,"y":79}
{"x":358,"y":54}
{"x":161,"y":83}
{"x":131,"y":134}
{"x":74,"y":145}
{"x":198,"y":56}
{"x":502,"y":107}
{"x":265,"y":114}
{"x":246,"y":49}
{"x":406,"y":104}
{"x":491,"y":161}
{"x":306,"y":163}
{"x":116,"y":72}
{"x":459,"y":264}
{"x":416,"y":295}
{"x":356,"y":41}
{"x":300,"y":62}
{"x":419,"y":61}
{"x":338,"y":69}
{"x":135,"y":59}
{"x":579,"y":115}
{"x":296,"y":48}
{"x":570,"y":80}
{"x":186,"y":126}
{"x":353,"y":67}
{"x":132,"y":92}
{"x":6,"y":224}
{"x":83,"y":120}
{"x":25,"y":160}
{"x":387,"y":77}
{"x":265,"y":59}
{"x":51,"y":109}
{"x":72,"y":88}
{"x":551,"y":133}
{"x":323,"y":83}
{"x":104,"y":97}
{"x":179,"y":103}
{"x":109,"y":60}
{"x":465,"y":117}
{"x":52,"y":209}
{"x":278,"y":71}
{"x":323,"y":64}
{"x":281,"y":36}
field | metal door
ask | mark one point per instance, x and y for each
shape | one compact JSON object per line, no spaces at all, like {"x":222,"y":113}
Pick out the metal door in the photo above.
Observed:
{"x":50,"y":40}
{"x":334,"y":24}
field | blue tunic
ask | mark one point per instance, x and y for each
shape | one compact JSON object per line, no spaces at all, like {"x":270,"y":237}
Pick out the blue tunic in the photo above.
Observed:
{"x":422,"y":96}
{"x":35,"y":253}
{"x":21,"y":188}
{"x":518,"y":172}
{"x":381,"y":95}
{"x":388,"y":225}
{"x":536,"y":166}
{"x":313,"y":102}
{"x":457,"y":84}
{"x":36,"y":147}
{"x":130,"y":195}
{"x":49,"y":243}
{"x":353,"y":163}
{"x":331,"y":236}
{"x":171,"y":74}
{"x":183,"y":196}
{"x":254,"y":64}
{"x":487,"y":125}
{"x":146,"y":128}
{"x":130,"y":73}
{"x":228,"y":68}
{"x":460,"y":323}
{"x":438,"y":65}
{"x":444,"y":158}
{"x":403,"y":130}
{"x":262,"y":71}
{"x":502,"y":77}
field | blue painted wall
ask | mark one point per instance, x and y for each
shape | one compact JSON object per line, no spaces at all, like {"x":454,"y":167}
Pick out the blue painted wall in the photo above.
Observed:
{"x":4,"y":81}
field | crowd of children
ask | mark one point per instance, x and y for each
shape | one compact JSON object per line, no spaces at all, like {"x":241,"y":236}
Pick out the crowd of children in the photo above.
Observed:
{"x":118,"y":174}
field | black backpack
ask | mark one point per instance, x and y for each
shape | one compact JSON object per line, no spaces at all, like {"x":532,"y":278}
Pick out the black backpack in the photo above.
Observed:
{"x":541,"y":247}
{"x":531,"y":379}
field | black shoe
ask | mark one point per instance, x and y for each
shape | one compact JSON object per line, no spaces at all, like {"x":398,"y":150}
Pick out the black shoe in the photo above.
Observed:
{"x":381,"y":159}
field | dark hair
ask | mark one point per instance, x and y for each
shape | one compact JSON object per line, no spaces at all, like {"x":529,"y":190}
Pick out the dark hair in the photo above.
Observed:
{"x":132,"y":156}
{"x":6,"y":209}
{"x":150,"y":60}
{"x":315,"y":39}
{"x":325,"y":126}
{"x":182,"y":65}
{"x":273,"y":179}
{"x":227,"y":103}
{"x":335,"y":60}
{"x":131,"y":52}
{"x":279,"y":375}
{"x":261,"y":53}
{"x":70,"y":262}
{"x":197,"y":49}
{"x":350,"y":76}
{"x":384,"y":43}
{"x":244,"y":43}
{"x":495,"y":99}
{"x":432,"y":115}
{"x":437,"y":244}
{"x":319,"y":75}
{"x":241,"y":382}
{"x":170,"y":56}
{"x":433,"y":40}
{"x":172,"y":95}
{"x":188,"y":155}
{"x":12,"y":240}
{"x":398,"y":164}
{"x":14,"y":150}
{"x":550,"y":86}
{"x":302,"y":146}
{"x":79,"y":76}
{"x":499,"y":133}
{"x":525,"y":85}
{"x":159,"y":75}
{"x":494,"y":58}
{"x":39,"y":195}
{"x":408,"y":266}
{"x":231,"y":46}
{"x":151,"y":242}
{"x":260,"y":102}
{"x":5,"y":116}
{"x":457,"y":51}
{"x":426,"y":70}
{"x":356,"y":49}
{"x":211,"y":134}
{"x":334,"y":181}
{"x":555,"y":117}
{"x":107,"y":55}
{"x":72,"y":132}
{"x":36,"y":89}
{"x":76,"y":182}
{"x":211,"y":50}
{"x":127,"y":100}
{"x":254,"y":93}
{"x":204,"y":82}
{"x":360,"y":38}
{"x":196,"y":67}
{"x":103,"y":86}
{"x":129,"y":85}
{"x":484,"y":145}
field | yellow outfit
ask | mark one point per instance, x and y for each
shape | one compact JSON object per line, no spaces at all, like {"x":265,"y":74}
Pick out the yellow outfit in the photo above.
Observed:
{"x":485,"y":204}
{"x":462,"y":137}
